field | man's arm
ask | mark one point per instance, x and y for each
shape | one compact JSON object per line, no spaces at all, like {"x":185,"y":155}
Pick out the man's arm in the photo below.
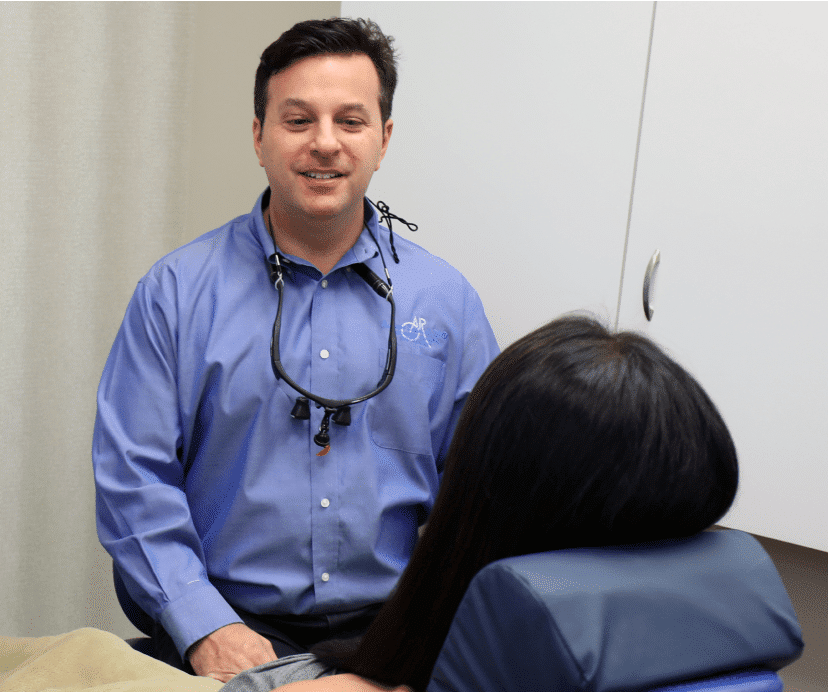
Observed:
{"x":143,"y":516}
{"x":478,"y":348}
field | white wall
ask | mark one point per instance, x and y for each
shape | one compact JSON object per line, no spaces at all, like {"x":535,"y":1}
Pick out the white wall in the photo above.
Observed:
{"x":513,"y":146}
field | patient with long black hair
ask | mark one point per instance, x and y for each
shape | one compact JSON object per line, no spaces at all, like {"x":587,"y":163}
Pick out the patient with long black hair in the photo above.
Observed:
{"x":575,"y":436}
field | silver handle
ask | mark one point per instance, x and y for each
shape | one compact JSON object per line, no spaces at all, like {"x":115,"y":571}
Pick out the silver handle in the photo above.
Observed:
{"x":649,"y":277}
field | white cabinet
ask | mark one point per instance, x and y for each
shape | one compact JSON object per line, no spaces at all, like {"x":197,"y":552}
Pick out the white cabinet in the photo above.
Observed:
{"x":513,"y":148}
{"x":732,"y":188}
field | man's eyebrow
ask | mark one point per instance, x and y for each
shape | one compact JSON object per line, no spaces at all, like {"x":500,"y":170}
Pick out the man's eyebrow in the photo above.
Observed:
{"x":295,"y":103}
{"x":354,"y":107}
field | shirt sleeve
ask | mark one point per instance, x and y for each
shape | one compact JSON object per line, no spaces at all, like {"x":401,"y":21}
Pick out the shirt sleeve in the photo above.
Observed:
{"x":143,"y":517}
{"x":478,"y":349}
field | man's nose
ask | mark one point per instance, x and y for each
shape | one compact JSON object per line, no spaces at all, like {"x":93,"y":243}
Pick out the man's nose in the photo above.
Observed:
{"x":325,"y":140}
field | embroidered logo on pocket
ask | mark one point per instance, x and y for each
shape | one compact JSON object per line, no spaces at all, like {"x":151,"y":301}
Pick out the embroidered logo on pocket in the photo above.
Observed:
{"x":414,"y":330}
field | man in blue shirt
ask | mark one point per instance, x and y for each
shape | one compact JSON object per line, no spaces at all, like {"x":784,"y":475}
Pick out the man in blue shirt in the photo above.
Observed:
{"x":234,"y":529}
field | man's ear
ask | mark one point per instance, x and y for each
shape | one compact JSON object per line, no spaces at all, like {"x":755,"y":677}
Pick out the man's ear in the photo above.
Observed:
{"x":386,"y":137}
{"x":257,"y":140}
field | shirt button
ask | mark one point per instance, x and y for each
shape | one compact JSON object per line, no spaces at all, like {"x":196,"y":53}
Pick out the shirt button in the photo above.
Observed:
{"x":325,"y":502}
{"x":324,"y":353}
{"x":325,"y":576}
{"x":324,"y":283}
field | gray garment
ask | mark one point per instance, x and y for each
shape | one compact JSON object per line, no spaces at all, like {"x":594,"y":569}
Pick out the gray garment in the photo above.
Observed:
{"x":271,"y":675}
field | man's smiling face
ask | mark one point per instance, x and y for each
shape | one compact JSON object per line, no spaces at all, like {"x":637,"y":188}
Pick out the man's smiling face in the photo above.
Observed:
{"x":322,"y":139}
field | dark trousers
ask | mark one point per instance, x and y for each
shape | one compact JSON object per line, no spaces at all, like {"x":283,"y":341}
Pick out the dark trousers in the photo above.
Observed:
{"x":289,"y":634}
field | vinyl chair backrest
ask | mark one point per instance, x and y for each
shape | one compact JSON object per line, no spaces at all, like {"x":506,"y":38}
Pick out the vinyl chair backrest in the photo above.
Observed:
{"x":748,"y":681}
{"x":621,"y":619}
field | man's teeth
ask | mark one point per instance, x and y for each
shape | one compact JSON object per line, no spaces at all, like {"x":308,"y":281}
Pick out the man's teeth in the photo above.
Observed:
{"x":321,"y":176}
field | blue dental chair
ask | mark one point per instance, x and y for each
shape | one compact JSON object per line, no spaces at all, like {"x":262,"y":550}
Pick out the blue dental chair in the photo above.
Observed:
{"x":703,"y":614}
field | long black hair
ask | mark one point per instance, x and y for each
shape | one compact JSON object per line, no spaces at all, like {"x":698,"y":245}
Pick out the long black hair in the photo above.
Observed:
{"x":573,"y":437}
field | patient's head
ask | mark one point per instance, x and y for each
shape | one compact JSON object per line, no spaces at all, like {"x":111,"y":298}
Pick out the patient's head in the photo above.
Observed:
{"x":573,"y":437}
{"x":576,"y":436}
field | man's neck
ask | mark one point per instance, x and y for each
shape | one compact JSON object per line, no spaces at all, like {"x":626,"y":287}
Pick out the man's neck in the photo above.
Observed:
{"x":321,"y":242}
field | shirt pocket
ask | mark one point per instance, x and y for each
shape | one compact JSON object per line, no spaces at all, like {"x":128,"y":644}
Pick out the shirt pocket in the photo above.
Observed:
{"x":400,"y":417}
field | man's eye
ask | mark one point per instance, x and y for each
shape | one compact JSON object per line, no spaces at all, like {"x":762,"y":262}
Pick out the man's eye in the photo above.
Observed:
{"x":298,"y":121}
{"x":351,"y":122}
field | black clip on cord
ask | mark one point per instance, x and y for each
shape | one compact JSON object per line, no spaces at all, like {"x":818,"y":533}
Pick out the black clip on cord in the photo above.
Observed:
{"x":386,"y":215}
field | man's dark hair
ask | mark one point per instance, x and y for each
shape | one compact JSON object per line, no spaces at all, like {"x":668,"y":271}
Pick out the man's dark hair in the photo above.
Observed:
{"x":329,"y":36}
{"x":574,"y":436}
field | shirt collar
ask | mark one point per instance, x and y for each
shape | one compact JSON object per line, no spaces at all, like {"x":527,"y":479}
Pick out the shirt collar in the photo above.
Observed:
{"x":365,"y":247}
{"x":259,"y":225}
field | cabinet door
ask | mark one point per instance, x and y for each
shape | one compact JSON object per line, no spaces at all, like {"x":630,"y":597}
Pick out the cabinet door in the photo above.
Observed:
{"x":733,"y":190}
{"x":513,"y":145}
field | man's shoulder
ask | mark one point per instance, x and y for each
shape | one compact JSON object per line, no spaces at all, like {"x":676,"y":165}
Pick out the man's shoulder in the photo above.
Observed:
{"x":420,"y":262}
{"x":232,"y":244}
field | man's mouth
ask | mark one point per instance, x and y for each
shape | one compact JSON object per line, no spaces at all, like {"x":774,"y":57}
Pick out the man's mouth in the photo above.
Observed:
{"x":321,"y":176}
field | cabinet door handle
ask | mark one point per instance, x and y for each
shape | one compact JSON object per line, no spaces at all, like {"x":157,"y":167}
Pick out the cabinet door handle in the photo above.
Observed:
{"x":649,"y":278}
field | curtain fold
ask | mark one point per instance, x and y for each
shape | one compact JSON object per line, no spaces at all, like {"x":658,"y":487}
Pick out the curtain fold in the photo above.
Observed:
{"x":93,"y":145}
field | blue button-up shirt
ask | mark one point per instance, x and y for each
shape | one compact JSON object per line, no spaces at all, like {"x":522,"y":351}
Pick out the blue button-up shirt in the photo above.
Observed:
{"x":209,"y":495}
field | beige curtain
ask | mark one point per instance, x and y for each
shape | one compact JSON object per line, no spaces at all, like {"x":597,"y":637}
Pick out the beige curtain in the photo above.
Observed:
{"x":101,"y":172}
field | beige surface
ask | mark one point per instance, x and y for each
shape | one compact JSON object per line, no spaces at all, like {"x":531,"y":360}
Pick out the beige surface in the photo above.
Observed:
{"x":88,"y":659}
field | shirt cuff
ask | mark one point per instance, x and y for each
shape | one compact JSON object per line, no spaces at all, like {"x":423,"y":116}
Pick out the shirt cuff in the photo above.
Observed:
{"x":201,"y":611}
